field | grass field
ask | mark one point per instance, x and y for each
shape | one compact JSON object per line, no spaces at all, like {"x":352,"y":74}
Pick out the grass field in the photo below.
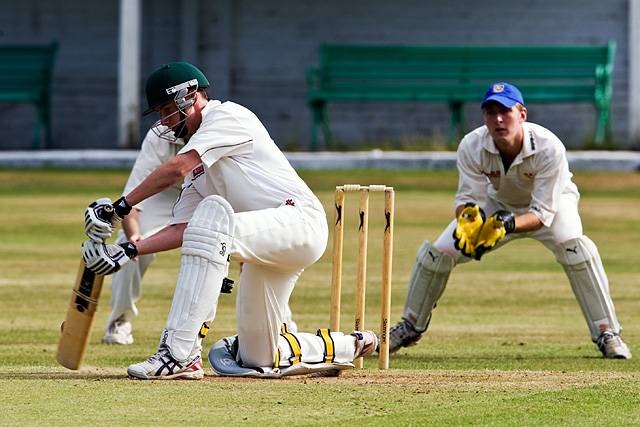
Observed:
{"x":507,"y":345}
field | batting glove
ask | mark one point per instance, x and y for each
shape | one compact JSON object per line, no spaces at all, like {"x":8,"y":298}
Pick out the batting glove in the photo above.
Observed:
{"x":468,"y":228}
{"x":97,"y":220}
{"x":494,"y":229}
{"x":102,"y":216}
{"x":107,"y":259}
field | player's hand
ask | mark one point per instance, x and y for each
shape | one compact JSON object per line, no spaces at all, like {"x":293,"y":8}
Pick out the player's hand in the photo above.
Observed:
{"x":468,"y":228}
{"x":107,"y":259}
{"x":97,"y":220}
{"x":494,"y":229}
{"x":101,"y":217}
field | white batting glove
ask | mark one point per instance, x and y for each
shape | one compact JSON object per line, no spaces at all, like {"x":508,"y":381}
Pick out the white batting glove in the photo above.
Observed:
{"x":107,"y":259}
{"x":102,"y":216}
{"x":97,"y":220}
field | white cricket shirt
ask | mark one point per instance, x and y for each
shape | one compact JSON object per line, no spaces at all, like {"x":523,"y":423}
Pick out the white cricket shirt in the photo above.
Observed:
{"x":241,"y":163}
{"x":537,"y":178}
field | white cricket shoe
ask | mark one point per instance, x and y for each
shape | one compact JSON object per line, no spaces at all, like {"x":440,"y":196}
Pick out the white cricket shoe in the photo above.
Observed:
{"x":612,"y":346}
{"x":403,"y":334}
{"x":118,"y":332}
{"x":366,"y":343}
{"x":162,"y":366}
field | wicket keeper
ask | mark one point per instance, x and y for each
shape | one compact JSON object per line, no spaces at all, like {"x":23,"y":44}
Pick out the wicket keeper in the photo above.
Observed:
{"x":514,"y":182}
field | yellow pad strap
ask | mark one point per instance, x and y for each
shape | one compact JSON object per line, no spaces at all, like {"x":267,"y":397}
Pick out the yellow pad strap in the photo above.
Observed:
{"x":277,"y":363}
{"x":204,"y":330}
{"x":329,"y":353}
{"x":294,"y":344}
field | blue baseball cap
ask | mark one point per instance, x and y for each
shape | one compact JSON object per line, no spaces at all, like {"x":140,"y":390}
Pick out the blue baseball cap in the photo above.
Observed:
{"x":504,"y":93}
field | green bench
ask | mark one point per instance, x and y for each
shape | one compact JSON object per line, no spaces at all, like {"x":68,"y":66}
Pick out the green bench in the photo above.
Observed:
{"x":25,"y":76}
{"x":458,"y":75}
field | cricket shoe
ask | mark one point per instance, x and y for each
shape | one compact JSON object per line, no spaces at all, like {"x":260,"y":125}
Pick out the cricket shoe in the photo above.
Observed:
{"x":118,"y":332}
{"x":162,"y":366}
{"x":403,"y":334}
{"x":366,"y":343}
{"x":612,"y":346}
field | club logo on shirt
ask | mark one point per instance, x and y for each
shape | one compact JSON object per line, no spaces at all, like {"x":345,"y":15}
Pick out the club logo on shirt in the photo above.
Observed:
{"x":492,"y":174}
{"x":289,"y":202}
{"x":197,"y":171}
{"x":529,"y":175}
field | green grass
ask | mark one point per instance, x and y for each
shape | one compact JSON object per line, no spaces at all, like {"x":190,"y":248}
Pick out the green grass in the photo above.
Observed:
{"x":507,"y":346}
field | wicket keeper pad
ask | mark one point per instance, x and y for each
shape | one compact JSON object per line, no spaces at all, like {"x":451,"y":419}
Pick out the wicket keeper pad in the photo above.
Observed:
{"x":428,"y":279}
{"x":583,"y":266}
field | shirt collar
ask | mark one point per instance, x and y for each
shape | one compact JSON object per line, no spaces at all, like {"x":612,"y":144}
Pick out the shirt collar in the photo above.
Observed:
{"x":528,"y":144}
{"x":213,"y":103}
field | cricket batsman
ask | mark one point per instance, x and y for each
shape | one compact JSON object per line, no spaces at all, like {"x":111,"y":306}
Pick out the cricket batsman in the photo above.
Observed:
{"x":240,"y":200}
{"x":514,"y":182}
{"x":145,"y":219}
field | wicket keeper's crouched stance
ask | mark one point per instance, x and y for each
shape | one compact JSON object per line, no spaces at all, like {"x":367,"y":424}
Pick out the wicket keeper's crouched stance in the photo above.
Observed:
{"x":240,"y":200}
{"x":514,"y":181}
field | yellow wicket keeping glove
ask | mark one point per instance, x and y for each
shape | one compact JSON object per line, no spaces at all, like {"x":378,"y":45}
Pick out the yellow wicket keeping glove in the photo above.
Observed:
{"x":494,"y":229}
{"x":468,"y":228}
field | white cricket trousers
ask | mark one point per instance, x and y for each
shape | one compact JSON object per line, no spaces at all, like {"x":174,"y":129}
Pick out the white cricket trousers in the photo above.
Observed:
{"x":275,"y":246}
{"x":591,"y":287}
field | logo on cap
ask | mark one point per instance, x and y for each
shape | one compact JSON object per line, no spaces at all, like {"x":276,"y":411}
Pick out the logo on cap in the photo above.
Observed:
{"x":498,"y":88}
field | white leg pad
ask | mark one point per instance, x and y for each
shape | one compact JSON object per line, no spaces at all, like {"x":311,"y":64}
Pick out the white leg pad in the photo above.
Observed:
{"x":223,"y":359}
{"x":205,"y":246}
{"x":426,"y":284}
{"x":583,"y":266}
{"x":312,"y":348}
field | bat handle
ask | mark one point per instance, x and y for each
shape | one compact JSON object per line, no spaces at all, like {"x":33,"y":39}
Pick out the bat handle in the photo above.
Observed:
{"x":107,"y":213}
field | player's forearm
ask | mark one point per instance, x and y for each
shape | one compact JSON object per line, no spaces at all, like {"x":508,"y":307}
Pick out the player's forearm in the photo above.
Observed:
{"x":166,"y":239}
{"x":163,"y":177}
{"x":527,"y":222}
{"x":131,"y":224}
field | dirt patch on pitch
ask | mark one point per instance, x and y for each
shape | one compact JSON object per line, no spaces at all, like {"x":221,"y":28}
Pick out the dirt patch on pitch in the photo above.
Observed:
{"x":476,"y":380}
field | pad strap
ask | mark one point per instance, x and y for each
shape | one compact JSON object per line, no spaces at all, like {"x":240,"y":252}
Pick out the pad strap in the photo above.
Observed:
{"x":296,"y":351}
{"x":329,"y":353}
{"x":277,"y":362}
{"x":204,"y":330}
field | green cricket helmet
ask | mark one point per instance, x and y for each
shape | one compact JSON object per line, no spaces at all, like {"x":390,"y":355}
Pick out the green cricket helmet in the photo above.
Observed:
{"x":174,"y":81}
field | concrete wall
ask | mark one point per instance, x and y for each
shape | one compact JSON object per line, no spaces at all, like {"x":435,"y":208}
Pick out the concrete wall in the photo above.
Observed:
{"x":256,"y":53}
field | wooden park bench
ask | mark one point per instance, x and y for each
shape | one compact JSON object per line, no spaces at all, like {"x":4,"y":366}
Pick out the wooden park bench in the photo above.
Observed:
{"x":456,"y":75}
{"x":25,"y":76}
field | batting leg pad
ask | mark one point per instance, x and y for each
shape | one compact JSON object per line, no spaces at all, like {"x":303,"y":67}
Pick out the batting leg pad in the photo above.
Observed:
{"x":583,"y":266}
{"x":426,"y":284}
{"x":223,"y":357}
{"x":204,"y":264}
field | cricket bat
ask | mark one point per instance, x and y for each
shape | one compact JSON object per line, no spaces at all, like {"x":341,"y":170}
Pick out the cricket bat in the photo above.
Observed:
{"x":76,"y":328}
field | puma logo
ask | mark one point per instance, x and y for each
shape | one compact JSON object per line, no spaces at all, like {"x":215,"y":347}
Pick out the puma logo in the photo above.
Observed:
{"x":574,"y":250}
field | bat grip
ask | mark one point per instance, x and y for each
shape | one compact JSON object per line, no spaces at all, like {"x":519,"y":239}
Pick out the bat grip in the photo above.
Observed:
{"x":107,"y":213}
